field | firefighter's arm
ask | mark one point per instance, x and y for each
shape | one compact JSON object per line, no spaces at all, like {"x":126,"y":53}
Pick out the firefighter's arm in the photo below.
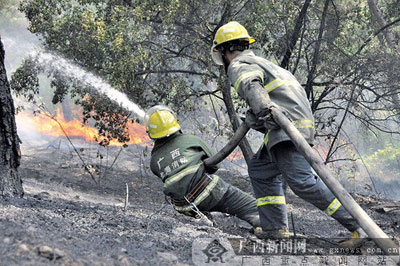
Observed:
{"x":209,"y":152}
{"x":247,"y":80}
{"x":259,"y":101}
{"x":257,"y":97}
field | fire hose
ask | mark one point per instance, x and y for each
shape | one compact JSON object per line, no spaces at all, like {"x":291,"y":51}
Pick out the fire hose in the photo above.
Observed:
{"x":229,"y":147}
{"x":366,"y":223}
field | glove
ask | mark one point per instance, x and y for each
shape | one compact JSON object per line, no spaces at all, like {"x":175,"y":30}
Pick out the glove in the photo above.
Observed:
{"x":253,"y":122}
{"x":268,"y":121}
{"x":266,"y":116}
{"x":209,"y":169}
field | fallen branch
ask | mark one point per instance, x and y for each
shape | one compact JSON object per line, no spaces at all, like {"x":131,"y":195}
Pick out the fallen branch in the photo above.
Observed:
{"x":48,"y":114}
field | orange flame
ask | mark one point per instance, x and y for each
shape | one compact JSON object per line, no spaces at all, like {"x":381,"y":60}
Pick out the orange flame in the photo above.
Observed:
{"x":43,"y":124}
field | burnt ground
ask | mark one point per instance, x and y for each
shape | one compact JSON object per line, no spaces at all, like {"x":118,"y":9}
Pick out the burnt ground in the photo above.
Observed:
{"x":67,"y":219}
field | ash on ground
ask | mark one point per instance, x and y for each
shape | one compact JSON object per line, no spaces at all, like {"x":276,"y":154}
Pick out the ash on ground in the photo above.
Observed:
{"x":66,"y":218}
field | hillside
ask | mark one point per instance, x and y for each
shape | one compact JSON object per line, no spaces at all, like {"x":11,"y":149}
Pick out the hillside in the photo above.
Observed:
{"x":66,"y":219}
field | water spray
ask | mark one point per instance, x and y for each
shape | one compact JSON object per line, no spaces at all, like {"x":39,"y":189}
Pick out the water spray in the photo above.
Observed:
{"x":69,"y":69}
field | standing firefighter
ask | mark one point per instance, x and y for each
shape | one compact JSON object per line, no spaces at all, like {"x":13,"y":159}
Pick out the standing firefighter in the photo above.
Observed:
{"x":177,"y":159}
{"x":264,"y":85}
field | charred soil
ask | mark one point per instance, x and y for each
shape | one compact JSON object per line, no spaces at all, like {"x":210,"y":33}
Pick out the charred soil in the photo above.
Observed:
{"x":65,"y":218}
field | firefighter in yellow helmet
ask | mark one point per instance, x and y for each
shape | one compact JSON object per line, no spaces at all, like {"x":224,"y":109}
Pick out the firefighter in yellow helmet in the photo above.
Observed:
{"x":264,"y":85}
{"x":177,"y":159}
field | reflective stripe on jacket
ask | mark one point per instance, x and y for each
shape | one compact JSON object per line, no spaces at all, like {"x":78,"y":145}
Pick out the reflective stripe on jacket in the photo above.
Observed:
{"x":283,"y":89}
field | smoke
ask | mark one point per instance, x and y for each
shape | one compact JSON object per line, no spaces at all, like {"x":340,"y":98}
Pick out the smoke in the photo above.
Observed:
{"x":20,"y":43}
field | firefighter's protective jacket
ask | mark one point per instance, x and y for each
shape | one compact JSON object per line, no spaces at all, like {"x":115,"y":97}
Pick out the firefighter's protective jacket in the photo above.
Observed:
{"x":283,"y":89}
{"x":178,"y":161}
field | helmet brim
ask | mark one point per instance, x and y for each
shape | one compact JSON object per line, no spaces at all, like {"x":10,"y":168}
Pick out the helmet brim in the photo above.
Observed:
{"x":165,"y":133}
{"x":252,"y":40}
{"x":216,"y":46}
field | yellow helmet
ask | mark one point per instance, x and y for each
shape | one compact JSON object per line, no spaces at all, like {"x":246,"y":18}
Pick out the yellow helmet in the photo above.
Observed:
{"x":160,"y":122}
{"x":226,"y":33}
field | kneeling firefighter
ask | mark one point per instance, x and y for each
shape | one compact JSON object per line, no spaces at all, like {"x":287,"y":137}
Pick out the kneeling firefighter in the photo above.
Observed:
{"x":177,"y":159}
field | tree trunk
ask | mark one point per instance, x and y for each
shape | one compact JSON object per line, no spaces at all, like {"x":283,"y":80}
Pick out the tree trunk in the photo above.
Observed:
{"x":10,"y":155}
{"x":380,"y":20}
{"x":295,"y":35}
{"x":390,"y":40}
{"x":244,"y":144}
{"x":315,"y":59}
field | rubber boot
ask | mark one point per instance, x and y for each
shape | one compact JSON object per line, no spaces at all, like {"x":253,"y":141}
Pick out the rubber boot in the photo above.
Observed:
{"x":272,"y":234}
{"x":357,"y":239}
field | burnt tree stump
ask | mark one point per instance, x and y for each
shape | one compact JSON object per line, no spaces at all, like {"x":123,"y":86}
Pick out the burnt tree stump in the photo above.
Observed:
{"x":10,"y":155}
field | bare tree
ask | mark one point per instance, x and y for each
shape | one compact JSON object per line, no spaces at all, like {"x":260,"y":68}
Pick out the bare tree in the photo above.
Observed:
{"x":10,"y":155}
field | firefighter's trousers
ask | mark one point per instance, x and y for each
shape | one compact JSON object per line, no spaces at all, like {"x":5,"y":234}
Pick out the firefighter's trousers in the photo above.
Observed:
{"x":229,"y":199}
{"x":284,"y":159}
